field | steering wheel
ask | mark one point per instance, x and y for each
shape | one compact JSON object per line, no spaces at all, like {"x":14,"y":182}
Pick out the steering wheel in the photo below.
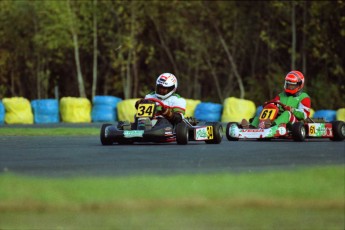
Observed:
{"x":156,"y":100}
{"x":275,"y":103}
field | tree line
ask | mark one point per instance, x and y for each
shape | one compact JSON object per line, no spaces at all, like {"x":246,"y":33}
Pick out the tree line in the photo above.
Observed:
{"x":217,"y":49}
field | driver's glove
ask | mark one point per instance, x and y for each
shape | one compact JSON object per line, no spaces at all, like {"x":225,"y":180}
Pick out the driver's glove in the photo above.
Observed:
{"x":289,"y":108}
{"x":142,"y":100}
{"x":167,"y":113}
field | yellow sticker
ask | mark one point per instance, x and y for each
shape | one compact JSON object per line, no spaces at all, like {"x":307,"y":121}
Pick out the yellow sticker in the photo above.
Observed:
{"x":312,"y":129}
{"x":267,"y":114}
{"x":209,"y":132}
{"x":146,"y":110}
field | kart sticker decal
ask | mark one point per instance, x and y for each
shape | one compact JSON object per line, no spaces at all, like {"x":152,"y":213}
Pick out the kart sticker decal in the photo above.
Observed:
{"x":209,"y":132}
{"x":133,"y":133}
{"x":146,"y":110}
{"x":204,"y":133}
{"x":268,"y":114}
{"x":257,"y":133}
{"x":319,"y":130}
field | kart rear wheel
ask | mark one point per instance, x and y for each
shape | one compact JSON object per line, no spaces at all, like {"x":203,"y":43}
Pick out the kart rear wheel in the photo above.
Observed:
{"x":182,"y":133}
{"x":298,"y":131}
{"x":104,"y":139}
{"x":217,"y":133}
{"x":338,"y":128}
{"x":227,"y":131}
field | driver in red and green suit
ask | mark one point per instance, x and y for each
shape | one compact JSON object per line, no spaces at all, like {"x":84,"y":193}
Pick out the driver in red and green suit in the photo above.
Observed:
{"x":297,"y":103}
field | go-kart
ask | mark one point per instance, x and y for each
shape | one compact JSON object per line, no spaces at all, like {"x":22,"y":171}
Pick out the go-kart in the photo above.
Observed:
{"x":298,"y":131}
{"x":148,"y":127}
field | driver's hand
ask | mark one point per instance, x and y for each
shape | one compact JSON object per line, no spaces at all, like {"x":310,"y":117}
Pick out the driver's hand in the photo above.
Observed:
{"x":167,"y":112}
{"x":269,"y":102}
{"x":142,"y":100}
{"x":289,"y":108}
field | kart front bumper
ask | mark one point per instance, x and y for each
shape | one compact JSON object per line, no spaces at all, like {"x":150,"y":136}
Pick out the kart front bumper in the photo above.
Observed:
{"x":153,"y":135}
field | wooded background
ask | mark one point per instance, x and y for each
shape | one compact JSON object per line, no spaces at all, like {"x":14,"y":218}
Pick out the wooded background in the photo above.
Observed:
{"x":216,"y":49}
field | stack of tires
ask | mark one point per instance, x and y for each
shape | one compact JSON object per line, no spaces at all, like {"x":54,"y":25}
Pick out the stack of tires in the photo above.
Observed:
{"x":235,"y":109}
{"x":208,"y":111}
{"x":104,"y":108}
{"x":328,"y":115}
{"x":75,"y":110}
{"x":46,"y":111}
{"x":2,"y":113}
{"x":18,"y":111}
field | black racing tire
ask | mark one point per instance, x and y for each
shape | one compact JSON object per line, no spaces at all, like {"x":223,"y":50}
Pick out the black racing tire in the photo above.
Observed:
{"x":104,"y":139}
{"x":298,"y":131}
{"x":182,"y":133}
{"x":230,"y":138}
{"x":338,"y":128}
{"x":217,"y":133}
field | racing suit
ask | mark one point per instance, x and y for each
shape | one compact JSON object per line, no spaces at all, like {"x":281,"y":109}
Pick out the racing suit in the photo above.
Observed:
{"x":298,"y":108}
{"x":175,"y":107}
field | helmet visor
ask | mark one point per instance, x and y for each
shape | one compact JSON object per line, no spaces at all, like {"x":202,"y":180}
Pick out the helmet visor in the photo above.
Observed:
{"x":291,"y":85}
{"x":161,"y":90}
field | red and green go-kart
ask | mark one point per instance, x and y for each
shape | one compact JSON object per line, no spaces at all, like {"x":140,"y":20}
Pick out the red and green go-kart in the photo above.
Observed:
{"x":298,"y":131}
{"x":149,"y":128}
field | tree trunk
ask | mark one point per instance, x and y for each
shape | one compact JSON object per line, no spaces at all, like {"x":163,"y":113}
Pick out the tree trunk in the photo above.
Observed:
{"x":166,"y":48}
{"x":304,"y":55}
{"x":135,"y":75}
{"x":293,"y":28}
{"x":95,"y":51}
{"x":76,"y":53}
{"x":233,"y":65}
{"x":215,"y":78}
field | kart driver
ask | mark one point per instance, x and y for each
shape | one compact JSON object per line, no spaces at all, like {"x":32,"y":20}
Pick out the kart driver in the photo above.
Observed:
{"x":174,"y":105}
{"x":297,"y":103}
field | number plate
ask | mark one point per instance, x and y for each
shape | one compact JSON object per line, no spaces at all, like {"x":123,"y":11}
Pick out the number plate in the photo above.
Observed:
{"x":146,"y":110}
{"x":268,"y":114}
{"x":320,"y":130}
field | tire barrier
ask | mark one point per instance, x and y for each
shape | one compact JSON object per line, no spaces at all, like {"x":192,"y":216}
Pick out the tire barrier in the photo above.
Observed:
{"x":2,"y":113}
{"x":340,"y":114}
{"x":236,"y":109}
{"x":104,"y":108}
{"x":190,"y":107}
{"x":46,"y":111}
{"x":328,"y":115}
{"x":18,"y":111}
{"x":75,"y":110}
{"x":208,"y":111}
{"x":126,"y":109}
{"x":311,"y":113}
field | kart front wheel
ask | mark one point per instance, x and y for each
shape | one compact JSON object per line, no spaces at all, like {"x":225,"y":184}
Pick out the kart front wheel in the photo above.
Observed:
{"x":338,"y":128}
{"x":298,"y":131}
{"x":104,"y":139}
{"x":227,"y":131}
{"x":182,"y":133}
{"x":217,"y":133}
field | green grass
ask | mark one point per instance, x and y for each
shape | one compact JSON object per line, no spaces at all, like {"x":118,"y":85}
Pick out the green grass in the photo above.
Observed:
{"x":48,"y":131}
{"x":301,"y":199}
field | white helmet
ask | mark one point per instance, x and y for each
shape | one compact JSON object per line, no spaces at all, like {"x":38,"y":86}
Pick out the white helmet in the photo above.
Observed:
{"x":166,"y":85}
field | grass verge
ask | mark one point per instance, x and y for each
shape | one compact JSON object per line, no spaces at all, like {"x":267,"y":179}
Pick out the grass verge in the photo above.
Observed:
{"x":302,"y":199}
{"x":59,"y":131}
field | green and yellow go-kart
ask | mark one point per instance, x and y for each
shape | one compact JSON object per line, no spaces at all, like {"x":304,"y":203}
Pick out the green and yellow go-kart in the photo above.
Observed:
{"x":298,"y":131}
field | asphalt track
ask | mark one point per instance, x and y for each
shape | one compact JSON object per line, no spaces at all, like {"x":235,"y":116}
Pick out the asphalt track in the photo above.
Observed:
{"x":85,"y":156}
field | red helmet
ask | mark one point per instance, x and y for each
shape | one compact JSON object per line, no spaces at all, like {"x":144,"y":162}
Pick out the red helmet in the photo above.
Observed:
{"x":294,"y":82}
